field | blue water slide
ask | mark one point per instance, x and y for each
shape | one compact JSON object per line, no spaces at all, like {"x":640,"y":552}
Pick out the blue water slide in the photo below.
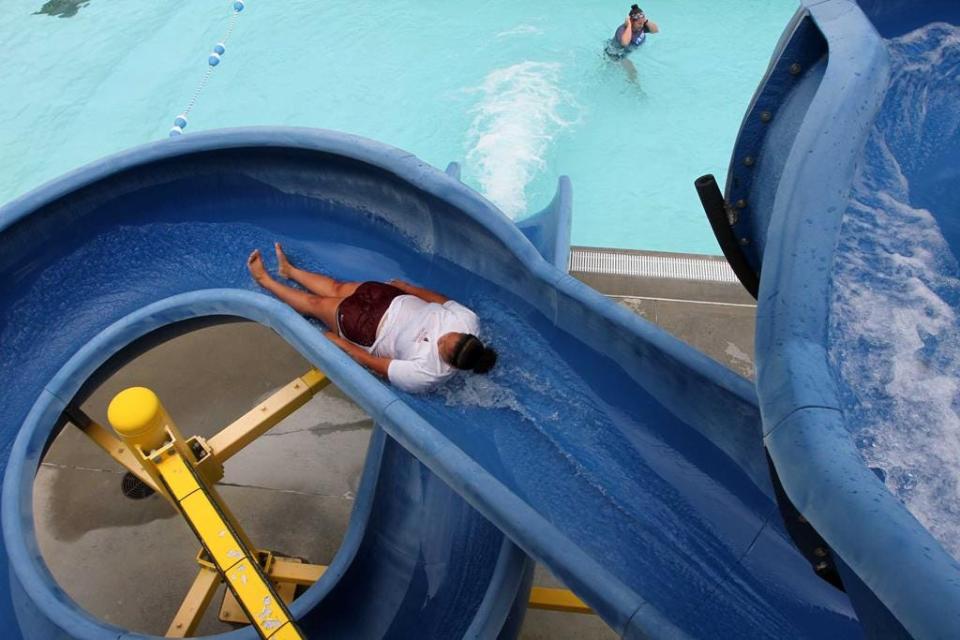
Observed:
{"x":849,"y":153}
{"x":417,"y":561}
{"x":628,"y":463}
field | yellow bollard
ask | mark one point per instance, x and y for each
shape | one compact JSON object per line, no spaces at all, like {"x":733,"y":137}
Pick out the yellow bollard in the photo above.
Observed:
{"x":138,"y":417}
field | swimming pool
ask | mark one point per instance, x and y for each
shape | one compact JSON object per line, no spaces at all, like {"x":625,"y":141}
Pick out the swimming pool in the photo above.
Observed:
{"x":520,"y":93}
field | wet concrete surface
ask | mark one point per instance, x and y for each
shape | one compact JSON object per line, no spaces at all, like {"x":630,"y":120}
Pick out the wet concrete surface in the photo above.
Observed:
{"x":722,"y":331}
{"x":130,"y":562}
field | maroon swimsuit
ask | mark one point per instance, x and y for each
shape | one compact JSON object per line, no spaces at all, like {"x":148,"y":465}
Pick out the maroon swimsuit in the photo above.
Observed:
{"x":359,"y":315}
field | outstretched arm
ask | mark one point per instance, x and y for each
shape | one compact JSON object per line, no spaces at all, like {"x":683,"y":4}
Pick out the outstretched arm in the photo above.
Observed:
{"x":379,"y":366}
{"x":420,"y":292}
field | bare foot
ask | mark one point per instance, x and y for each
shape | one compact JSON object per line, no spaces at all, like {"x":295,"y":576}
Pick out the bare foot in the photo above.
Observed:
{"x":255,"y":266}
{"x":284,"y":267}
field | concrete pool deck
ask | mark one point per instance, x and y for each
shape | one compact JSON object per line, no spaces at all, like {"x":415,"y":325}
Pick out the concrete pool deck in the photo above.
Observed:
{"x":100,"y":545}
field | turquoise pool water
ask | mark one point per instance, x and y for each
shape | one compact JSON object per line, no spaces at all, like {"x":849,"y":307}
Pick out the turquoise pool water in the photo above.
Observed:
{"x":519,"y":93}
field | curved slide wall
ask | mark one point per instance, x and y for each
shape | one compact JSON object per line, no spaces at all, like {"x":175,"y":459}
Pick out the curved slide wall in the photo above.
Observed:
{"x":625,"y":461}
{"x":851,"y":220}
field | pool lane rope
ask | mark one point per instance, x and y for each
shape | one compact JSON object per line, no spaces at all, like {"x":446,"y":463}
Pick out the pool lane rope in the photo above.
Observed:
{"x":180,"y":122}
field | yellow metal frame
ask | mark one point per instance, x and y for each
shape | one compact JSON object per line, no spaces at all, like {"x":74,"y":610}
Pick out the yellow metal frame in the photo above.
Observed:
{"x":253,"y":424}
{"x":557,"y":600}
{"x":111,"y":444}
{"x":198,"y":598}
{"x":184,"y":471}
{"x":221,"y":447}
{"x":222,"y":538}
{"x":286,"y":574}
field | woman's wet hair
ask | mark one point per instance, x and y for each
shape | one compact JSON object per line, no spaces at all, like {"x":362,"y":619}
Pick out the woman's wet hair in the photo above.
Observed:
{"x":635,"y":10}
{"x":471,"y":354}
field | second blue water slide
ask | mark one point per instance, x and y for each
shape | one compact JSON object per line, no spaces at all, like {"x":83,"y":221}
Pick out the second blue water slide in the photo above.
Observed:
{"x":846,"y":178}
{"x":625,"y":461}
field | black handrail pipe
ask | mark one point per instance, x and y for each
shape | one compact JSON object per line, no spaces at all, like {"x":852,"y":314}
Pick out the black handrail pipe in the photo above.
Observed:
{"x":716,"y":208}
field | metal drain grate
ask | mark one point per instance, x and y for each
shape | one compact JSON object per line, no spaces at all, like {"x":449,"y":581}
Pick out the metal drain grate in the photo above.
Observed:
{"x":135,"y":488}
{"x":636,"y":264}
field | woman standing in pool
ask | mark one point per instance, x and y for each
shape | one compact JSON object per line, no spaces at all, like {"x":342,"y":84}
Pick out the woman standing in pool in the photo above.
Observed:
{"x":414,"y":337}
{"x":629,"y":36}
{"x":632,"y":33}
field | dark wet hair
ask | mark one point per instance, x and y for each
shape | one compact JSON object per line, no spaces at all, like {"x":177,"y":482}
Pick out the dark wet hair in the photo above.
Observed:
{"x":470,"y":353}
{"x":635,"y":10}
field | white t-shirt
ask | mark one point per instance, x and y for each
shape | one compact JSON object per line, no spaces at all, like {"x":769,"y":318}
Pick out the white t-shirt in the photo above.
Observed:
{"x":408,"y":334}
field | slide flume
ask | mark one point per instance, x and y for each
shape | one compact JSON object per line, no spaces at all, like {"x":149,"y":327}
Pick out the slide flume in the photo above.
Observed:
{"x":621,"y":458}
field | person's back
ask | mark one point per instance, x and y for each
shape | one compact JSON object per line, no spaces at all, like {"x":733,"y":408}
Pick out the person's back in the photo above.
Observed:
{"x":411,"y":322}
{"x":409,"y":334}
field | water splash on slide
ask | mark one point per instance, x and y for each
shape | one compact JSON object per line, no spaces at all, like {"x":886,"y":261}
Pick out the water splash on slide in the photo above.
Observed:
{"x":894,"y":320}
{"x":521,"y":110}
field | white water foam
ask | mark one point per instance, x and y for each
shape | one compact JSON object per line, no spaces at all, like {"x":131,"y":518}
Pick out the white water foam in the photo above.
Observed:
{"x":894,"y":331}
{"x":519,"y":114}
{"x":483,"y":392}
{"x":521,"y":30}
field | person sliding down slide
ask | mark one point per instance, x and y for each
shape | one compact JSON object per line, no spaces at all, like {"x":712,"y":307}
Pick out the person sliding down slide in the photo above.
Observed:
{"x":414,"y":337}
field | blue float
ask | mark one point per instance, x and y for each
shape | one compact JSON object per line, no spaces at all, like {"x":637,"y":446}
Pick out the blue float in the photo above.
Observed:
{"x":238,"y":6}
{"x":214,"y":59}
